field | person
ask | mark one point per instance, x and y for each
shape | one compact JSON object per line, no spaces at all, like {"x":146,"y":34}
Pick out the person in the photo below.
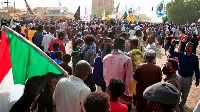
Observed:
{"x":169,"y":70}
{"x":65,"y":64}
{"x":137,"y":58}
{"x":88,"y":55}
{"x":38,"y":37}
{"x":97,"y":101}
{"x":70,"y":93}
{"x":118,"y":65}
{"x":168,"y":40}
{"x":183,"y":44}
{"x":188,"y":64}
{"x":150,"y":45}
{"x":97,"y":77}
{"x":148,"y":73}
{"x":115,"y":89}
{"x":47,"y":39}
{"x":138,"y":35}
{"x":195,"y":42}
{"x":127,"y":45}
{"x":61,"y":37}
{"x":162,"y":96}
{"x":56,"y":47}
{"x":59,"y":57}
{"x":131,"y":32}
{"x":18,"y":30}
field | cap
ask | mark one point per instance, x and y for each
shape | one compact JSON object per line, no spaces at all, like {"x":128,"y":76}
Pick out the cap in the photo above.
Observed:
{"x":150,"y":52}
{"x":162,"y":92}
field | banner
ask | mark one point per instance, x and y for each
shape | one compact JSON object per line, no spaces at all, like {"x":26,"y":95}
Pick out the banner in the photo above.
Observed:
{"x":160,"y":9}
{"x":85,"y":17}
{"x":31,"y":34}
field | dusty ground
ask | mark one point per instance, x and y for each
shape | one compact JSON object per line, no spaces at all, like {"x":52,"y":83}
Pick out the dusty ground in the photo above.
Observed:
{"x":193,"y":97}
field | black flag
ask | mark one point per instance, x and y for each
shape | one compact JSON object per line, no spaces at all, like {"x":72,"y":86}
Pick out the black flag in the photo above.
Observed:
{"x":77,"y":14}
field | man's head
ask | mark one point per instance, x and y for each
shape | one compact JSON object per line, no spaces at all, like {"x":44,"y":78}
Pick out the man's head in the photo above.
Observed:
{"x":150,"y":39}
{"x":119,"y":43}
{"x":83,"y":69}
{"x":134,"y":43}
{"x":40,"y":28}
{"x":138,"y":33}
{"x":59,"y":55}
{"x":116,"y":87}
{"x":98,"y":102}
{"x":150,"y":55}
{"x":124,"y":35}
{"x":189,"y":47}
{"x":56,"y":46}
{"x":53,"y":30}
{"x":89,"y":39}
{"x":61,"y":36}
{"x":164,"y":95}
{"x":66,"y":58}
{"x":170,"y":67}
{"x":18,"y":28}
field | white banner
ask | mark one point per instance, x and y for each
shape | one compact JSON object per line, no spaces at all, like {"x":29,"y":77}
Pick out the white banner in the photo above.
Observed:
{"x":85,"y":17}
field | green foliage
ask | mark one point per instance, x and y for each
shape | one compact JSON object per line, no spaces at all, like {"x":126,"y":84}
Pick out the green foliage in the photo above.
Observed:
{"x":101,"y":9}
{"x":183,"y":11}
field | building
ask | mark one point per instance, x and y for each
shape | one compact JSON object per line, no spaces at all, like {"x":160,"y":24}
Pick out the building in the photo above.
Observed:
{"x":101,"y":3}
{"x":53,"y":13}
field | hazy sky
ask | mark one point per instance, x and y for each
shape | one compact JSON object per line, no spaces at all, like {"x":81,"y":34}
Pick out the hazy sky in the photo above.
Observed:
{"x":145,"y":5}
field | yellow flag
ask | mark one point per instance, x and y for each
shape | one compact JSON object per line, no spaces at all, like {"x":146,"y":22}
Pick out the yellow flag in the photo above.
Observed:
{"x":23,"y":28}
{"x":108,"y":17}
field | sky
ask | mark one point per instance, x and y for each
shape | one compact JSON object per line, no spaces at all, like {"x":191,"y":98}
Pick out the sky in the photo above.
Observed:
{"x":145,"y":5}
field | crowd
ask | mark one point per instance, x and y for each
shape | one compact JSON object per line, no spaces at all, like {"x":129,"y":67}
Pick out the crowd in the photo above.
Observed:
{"x":120,"y":58}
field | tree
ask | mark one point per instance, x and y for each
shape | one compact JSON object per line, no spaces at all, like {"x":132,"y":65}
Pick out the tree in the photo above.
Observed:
{"x":12,"y":9}
{"x":101,"y":9}
{"x":183,"y":11}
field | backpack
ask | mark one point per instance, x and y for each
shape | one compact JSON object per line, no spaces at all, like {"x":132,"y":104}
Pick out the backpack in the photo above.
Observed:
{"x":78,"y":55}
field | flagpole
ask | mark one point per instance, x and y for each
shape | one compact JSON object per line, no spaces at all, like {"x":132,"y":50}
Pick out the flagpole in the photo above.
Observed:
{"x":36,"y":48}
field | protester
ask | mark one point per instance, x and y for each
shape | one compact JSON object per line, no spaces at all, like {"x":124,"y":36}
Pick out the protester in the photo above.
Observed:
{"x":150,"y":45}
{"x":65,"y":64}
{"x":162,"y":96}
{"x":98,"y":102}
{"x":56,"y":47}
{"x":118,"y":65}
{"x":38,"y":37}
{"x":188,"y":64}
{"x":138,"y":35}
{"x":148,"y":73}
{"x":115,"y":89}
{"x":59,"y":57}
{"x":61,"y":37}
{"x":70,"y":93}
{"x":169,"y":70}
{"x":18,"y":30}
{"x":47,"y":39}
{"x":127,"y":42}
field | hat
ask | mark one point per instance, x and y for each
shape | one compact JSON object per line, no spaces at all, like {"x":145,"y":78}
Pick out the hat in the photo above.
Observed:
{"x":162,"y":92}
{"x":150,"y":52}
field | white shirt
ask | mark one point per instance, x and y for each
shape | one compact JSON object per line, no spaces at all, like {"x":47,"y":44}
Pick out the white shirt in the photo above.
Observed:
{"x":70,"y":94}
{"x":46,"y":41}
{"x":176,"y":33}
{"x":132,"y":33}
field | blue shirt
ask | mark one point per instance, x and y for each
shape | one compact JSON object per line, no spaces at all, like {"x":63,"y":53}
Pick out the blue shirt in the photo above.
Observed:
{"x":97,"y":77}
{"x":58,"y":61}
{"x":52,"y":54}
{"x":38,"y":37}
{"x":187,"y":64}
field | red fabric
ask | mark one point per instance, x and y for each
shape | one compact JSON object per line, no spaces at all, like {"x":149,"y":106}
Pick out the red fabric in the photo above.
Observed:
{"x":62,"y":46}
{"x":5,"y":59}
{"x":118,"y":107}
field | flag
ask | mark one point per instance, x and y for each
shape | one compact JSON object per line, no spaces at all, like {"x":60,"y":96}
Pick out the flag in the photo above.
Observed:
{"x":160,"y":9}
{"x":95,"y":15}
{"x":61,"y":8}
{"x":115,"y":10}
{"x":29,"y":9}
{"x":137,"y":11}
{"x":166,"y":18}
{"x":122,"y":13}
{"x":104,"y":15}
{"x":77,"y":14}
{"x":86,"y":10}
{"x":24,"y":71}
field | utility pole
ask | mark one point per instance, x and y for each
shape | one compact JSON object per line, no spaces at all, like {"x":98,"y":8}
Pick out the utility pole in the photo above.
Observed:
{"x":8,"y":9}
{"x":14,"y":10}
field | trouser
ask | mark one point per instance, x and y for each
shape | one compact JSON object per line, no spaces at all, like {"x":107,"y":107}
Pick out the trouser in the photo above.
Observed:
{"x":186,"y":85}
